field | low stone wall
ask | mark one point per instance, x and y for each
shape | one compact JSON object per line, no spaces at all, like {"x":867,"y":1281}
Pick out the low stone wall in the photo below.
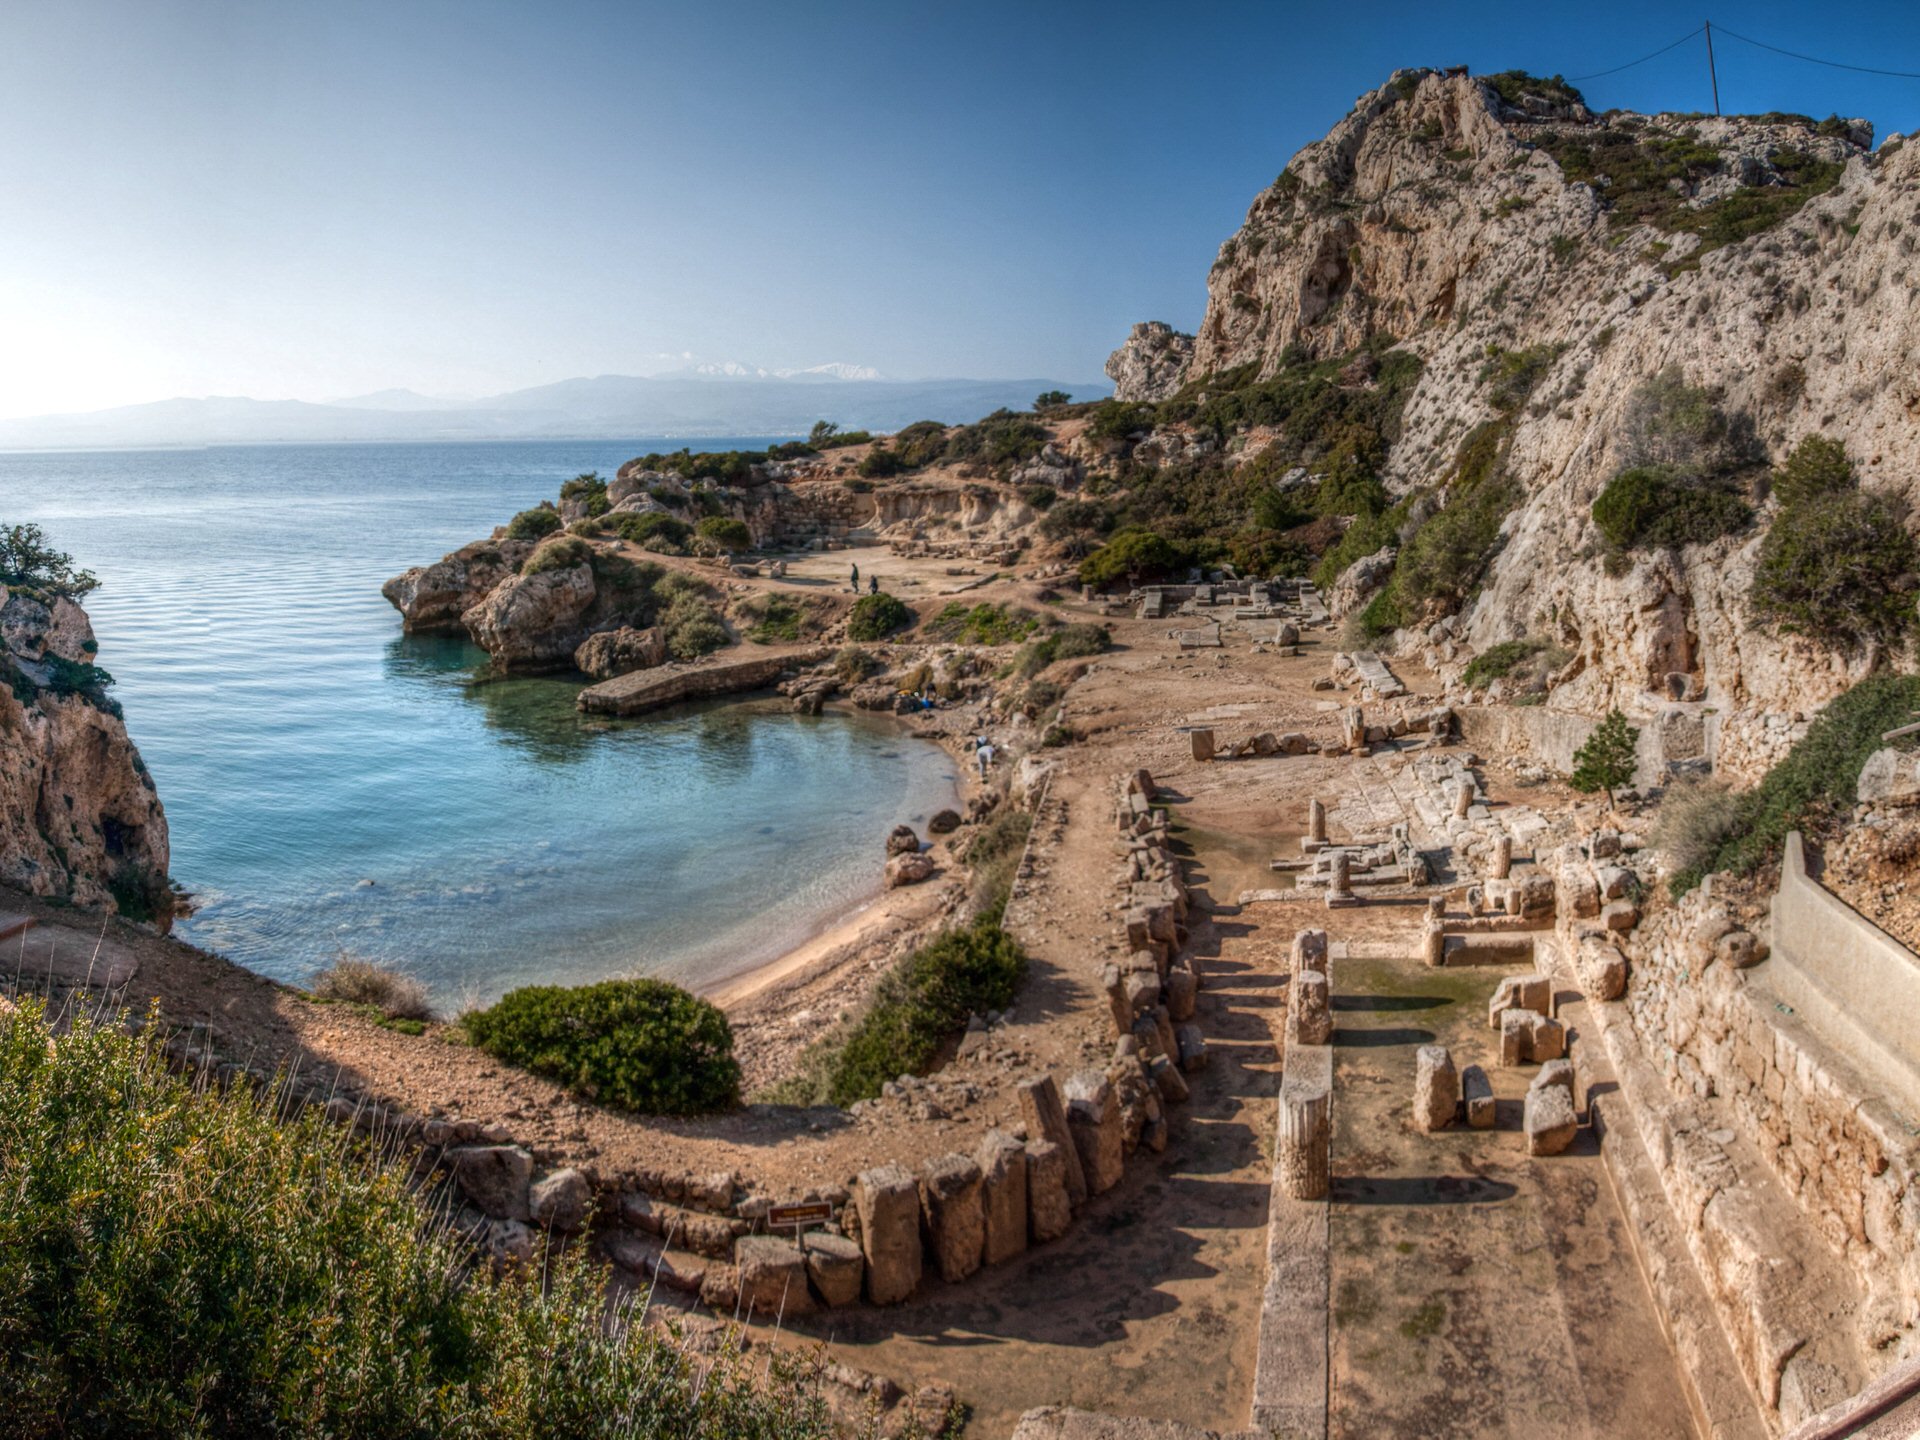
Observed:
{"x":665,"y":685}
{"x":1827,"y":960}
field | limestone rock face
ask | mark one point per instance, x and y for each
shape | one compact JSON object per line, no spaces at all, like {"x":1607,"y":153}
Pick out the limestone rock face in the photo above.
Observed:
{"x":434,"y":597}
{"x":1152,"y":364}
{"x":1436,"y":214}
{"x":621,"y":652}
{"x":534,"y":622}
{"x":79,"y":816}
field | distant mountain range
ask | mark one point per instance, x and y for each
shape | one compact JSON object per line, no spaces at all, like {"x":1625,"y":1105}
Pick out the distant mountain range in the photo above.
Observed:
{"x":727,"y":399}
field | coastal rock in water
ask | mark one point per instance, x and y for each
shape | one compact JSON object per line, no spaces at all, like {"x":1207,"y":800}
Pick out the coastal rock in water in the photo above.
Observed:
{"x":434,"y":597}
{"x":902,"y":841}
{"x":534,"y":622}
{"x":1151,"y":365}
{"x":620,"y":652}
{"x":64,"y":753}
{"x":908,"y":870}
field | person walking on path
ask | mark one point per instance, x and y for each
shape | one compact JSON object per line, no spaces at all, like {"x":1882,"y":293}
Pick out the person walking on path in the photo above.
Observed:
{"x":984,"y":754}
{"x":856,"y":579}
{"x":873,"y":585}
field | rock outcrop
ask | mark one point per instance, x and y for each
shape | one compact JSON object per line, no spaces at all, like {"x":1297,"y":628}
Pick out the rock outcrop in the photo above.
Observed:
{"x":434,"y":597}
{"x":80,"y":819}
{"x":1152,"y":364}
{"x":535,"y":622}
{"x":621,"y":652}
{"x":1773,"y":262}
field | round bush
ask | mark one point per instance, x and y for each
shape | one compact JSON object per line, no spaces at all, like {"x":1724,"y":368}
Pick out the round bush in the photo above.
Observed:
{"x":535,"y":524}
{"x":874,"y":617}
{"x":725,"y":532}
{"x":643,"y":1045}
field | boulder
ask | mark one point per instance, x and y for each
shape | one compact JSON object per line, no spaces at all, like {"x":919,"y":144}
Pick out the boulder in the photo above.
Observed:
{"x":902,"y":841}
{"x":887,"y":1203}
{"x":908,"y":870}
{"x":1889,"y":774}
{"x":495,"y":1178}
{"x":560,"y":1201}
{"x":1049,"y":1212}
{"x":434,"y":597}
{"x":509,"y":1245}
{"x":1093,"y":1117}
{"x":1003,"y":1190}
{"x":835,"y":1266}
{"x":955,"y":1212}
{"x":1549,"y":1122}
{"x":1191,"y":1046}
{"x":621,"y":652}
{"x":530,"y":623}
{"x":944,"y":822}
{"x":1436,"y":1088}
{"x":772,"y":1276}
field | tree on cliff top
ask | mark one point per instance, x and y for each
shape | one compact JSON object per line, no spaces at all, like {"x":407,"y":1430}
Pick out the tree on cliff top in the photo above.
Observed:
{"x":28,"y":562}
{"x":1606,"y":761}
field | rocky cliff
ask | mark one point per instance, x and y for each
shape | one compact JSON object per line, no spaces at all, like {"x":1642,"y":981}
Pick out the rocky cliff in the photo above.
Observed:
{"x":1494,"y":224}
{"x":80,"y":819}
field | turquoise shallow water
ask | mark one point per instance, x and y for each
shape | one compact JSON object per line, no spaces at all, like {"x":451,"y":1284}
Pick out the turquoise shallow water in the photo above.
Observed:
{"x":333,"y":785}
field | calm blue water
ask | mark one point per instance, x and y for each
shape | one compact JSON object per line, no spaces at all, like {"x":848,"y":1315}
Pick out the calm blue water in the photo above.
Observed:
{"x":332,"y":785}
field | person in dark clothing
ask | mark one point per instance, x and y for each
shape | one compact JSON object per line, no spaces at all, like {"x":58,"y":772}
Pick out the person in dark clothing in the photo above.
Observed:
{"x":873,"y":585}
{"x":856,"y":579}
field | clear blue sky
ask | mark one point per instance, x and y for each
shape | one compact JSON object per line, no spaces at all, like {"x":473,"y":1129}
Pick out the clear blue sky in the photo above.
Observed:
{"x":315,"y":199}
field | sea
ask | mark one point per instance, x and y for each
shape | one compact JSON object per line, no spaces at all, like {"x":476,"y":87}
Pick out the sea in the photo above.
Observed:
{"x":334,"y":787}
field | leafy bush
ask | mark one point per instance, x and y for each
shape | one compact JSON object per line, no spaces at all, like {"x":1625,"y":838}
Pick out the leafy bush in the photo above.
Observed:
{"x":649,"y":529}
{"x":1515,"y":86}
{"x":1039,"y":496}
{"x":983,"y":624}
{"x":1069,"y":642}
{"x":928,"y":999}
{"x":728,"y":533}
{"x":534,"y":524}
{"x":828,"y":436}
{"x":1499,"y":660}
{"x":1815,"y":782}
{"x":1669,"y":422}
{"x":1132,"y":554}
{"x":852,"y":664}
{"x":76,"y":677}
{"x":642,"y":1045}
{"x":1694,"y":822}
{"x":27,"y":562}
{"x":1002,"y":439}
{"x":1659,"y":505}
{"x":1513,"y":375}
{"x":1051,"y":400}
{"x":921,"y":443}
{"x":693,"y":627}
{"x":562,"y":553}
{"x":1816,"y":469}
{"x":1121,"y":419}
{"x":355,"y":981}
{"x":778,"y":623}
{"x":178,"y":1262}
{"x":880,"y":463}
{"x":874,"y":617}
{"x":1267,"y":553}
{"x":589,"y":488}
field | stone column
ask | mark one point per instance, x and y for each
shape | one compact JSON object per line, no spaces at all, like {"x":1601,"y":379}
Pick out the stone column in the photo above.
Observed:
{"x":1433,"y":945}
{"x":1046,"y":1119}
{"x":1502,"y":858}
{"x":1305,"y":1129}
{"x":1353,"y":727}
{"x":1340,"y":883}
{"x":1309,"y":951}
{"x":1203,"y":744}
{"x":1309,"y":1010}
{"x":1118,"y":1004}
{"x":1436,"y":1088}
{"x":1462,"y":798}
{"x":1317,"y":821}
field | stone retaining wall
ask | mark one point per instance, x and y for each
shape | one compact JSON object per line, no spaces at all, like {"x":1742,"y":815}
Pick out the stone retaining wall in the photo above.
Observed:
{"x":665,"y":685}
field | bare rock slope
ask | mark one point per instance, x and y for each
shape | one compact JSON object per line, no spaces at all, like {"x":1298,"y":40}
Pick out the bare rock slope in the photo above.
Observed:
{"x":1770,"y":259}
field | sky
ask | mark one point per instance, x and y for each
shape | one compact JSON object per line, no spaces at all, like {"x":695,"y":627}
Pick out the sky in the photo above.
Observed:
{"x":313,"y":200}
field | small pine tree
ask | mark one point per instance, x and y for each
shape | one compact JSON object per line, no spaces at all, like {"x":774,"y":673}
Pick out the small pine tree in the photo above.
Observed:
{"x":1606,"y":761}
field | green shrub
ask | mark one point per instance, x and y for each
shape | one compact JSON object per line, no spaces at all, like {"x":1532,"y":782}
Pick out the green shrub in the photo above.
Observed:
{"x":642,"y":1045}
{"x":534,"y":524}
{"x":880,"y":463}
{"x":76,"y":677}
{"x":1121,"y":419}
{"x":1659,"y":505}
{"x":651,"y":528}
{"x":1815,"y":782}
{"x":852,"y":664}
{"x":1267,"y":553}
{"x":589,"y":488}
{"x":693,"y":627}
{"x":355,"y":981}
{"x":1444,"y":560}
{"x":27,"y":562}
{"x":875,"y":617}
{"x":779,"y":622}
{"x":1051,"y":400}
{"x":1499,"y":660}
{"x":728,"y":533}
{"x":1839,"y":571}
{"x":1039,"y":496}
{"x":1515,"y":86}
{"x":1132,"y":554}
{"x":179,"y":1262}
{"x":1816,"y":469}
{"x":1513,"y":375}
{"x":1002,"y":439}
{"x":921,"y":443}
{"x":561,"y":553}
{"x":982,"y":624}
{"x":671,"y":498}
{"x":828,"y":436}
{"x":923,"y":1003}
{"x":1694,"y":822}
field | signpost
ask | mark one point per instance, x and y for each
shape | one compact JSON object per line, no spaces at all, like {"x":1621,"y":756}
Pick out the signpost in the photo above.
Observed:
{"x":799,"y":1216}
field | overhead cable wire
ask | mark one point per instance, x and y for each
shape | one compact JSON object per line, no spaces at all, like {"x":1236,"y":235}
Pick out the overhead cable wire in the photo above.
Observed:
{"x":1816,"y":60}
{"x":1642,"y":60}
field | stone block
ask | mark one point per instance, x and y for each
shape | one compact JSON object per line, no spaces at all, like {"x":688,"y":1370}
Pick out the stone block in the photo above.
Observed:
{"x":1046,"y":1119}
{"x":1436,"y":1088}
{"x":1003,"y":1193}
{"x":1516,"y":1035}
{"x":1191,"y":1046}
{"x":955,"y":1213}
{"x":496,"y":1178}
{"x":1619,"y":915}
{"x":1202,"y":744}
{"x":772,"y":1276}
{"x":1548,"y":1121}
{"x":1119,"y":1008}
{"x":1520,"y":992}
{"x":1556,"y":1072}
{"x":887,"y":1201}
{"x":1142,"y":991}
{"x":1309,"y":1009}
{"x":1602,"y":967}
{"x":1166,"y":1075}
{"x":1309,"y":951}
{"x":560,"y":1201}
{"x":835,"y":1266}
{"x":1546,"y":1039}
{"x":1048,"y":1211}
{"x":1477,"y":1090}
{"x":1093,"y":1117}
{"x":1181,"y":990}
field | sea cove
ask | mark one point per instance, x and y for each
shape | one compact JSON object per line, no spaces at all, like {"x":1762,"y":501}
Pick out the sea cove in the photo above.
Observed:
{"x":332,"y":785}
